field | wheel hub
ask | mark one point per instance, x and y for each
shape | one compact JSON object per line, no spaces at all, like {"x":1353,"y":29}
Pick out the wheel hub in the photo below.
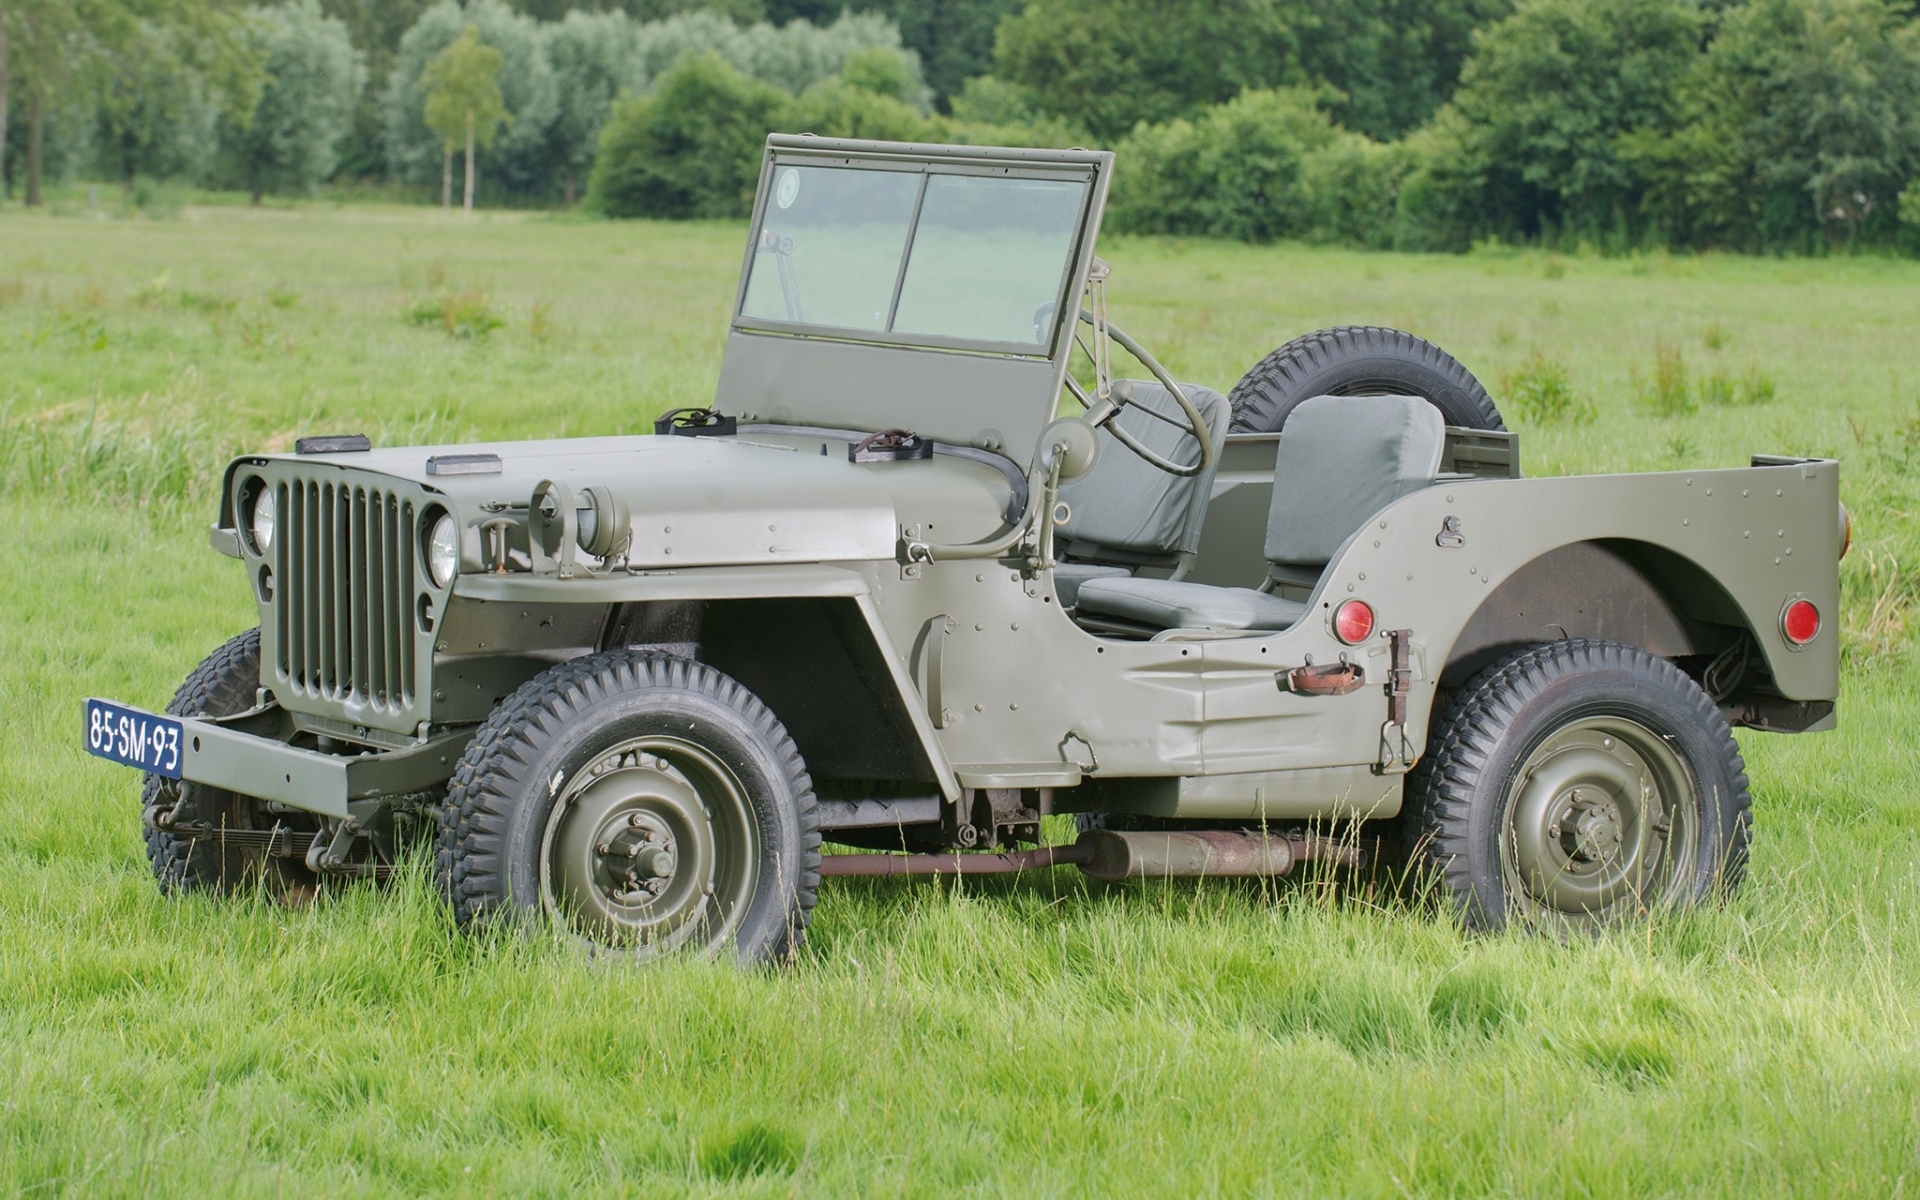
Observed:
{"x":1589,"y":831}
{"x":1592,"y":818}
{"x":635,"y":856}
{"x":651,"y":848}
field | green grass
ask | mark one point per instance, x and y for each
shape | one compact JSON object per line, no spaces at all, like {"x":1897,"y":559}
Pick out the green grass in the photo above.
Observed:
{"x":1038,"y":1037}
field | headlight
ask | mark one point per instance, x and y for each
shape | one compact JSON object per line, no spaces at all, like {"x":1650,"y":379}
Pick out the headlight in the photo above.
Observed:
{"x":264,"y":507}
{"x":443,"y":551}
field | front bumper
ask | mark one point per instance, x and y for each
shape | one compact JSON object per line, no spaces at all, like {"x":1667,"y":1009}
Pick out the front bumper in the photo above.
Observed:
{"x":231,"y":754}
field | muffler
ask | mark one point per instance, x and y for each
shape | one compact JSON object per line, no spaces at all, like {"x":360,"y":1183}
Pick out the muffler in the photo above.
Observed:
{"x":1109,"y":854}
{"x":1187,"y":853}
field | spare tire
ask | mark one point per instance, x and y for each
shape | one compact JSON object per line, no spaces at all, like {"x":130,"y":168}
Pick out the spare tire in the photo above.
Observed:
{"x":1358,"y":360}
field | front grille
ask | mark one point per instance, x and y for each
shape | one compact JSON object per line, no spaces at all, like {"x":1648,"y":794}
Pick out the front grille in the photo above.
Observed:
{"x":344,"y":563}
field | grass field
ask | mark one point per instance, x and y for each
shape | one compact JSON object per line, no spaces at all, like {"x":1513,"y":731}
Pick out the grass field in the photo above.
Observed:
{"x":1032,"y":1038}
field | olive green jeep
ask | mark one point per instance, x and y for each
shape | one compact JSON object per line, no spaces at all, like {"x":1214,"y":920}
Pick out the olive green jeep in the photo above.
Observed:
{"x":883,"y":594}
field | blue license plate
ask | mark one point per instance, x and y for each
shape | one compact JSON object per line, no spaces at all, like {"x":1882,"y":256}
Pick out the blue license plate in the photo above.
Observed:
{"x":133,"y":738}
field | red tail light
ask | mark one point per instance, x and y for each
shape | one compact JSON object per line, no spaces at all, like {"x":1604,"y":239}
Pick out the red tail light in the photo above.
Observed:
{"x":1353,"y":622}
{"x":1800,"y":622}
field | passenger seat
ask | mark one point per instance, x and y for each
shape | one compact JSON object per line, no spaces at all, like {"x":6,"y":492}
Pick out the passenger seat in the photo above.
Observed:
{"x":1340,"y":460}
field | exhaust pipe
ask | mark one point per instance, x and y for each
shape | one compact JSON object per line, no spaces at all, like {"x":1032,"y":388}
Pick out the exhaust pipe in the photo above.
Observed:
{"x":1112,"y":855}
{"x":1214,"y":852}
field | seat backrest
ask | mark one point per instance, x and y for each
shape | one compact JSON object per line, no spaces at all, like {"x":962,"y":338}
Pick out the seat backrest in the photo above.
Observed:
{"x":1342,"y":459}
{"x":1125,"y":503}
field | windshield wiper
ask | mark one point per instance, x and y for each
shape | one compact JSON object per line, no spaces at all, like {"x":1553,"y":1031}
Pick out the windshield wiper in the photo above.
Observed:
{"x":781,"y":247}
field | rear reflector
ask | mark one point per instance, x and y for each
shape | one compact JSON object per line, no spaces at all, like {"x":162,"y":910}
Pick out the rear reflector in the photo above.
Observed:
{"x":1353,"y":622}
{"x":1800,"y":622}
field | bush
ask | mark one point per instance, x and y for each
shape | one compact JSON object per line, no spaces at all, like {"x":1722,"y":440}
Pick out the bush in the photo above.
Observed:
{"x":1268,"y":164}
{"x":839,"y":108}
{"x":691,"y":148}
{"x":1666,"y":392}
{"x":466,"y":315}
{"x":1540,"y":393}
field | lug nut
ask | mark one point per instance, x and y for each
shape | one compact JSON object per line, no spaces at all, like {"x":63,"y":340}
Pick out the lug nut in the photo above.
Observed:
{"x":633,"y":819}
{"x":604,"y":848}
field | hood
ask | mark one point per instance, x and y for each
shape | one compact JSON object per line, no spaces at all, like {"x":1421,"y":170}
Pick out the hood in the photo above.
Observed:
{"x":696,"y":501}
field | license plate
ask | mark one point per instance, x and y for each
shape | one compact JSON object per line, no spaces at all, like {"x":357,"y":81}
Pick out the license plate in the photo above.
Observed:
{"x":133,"y":738}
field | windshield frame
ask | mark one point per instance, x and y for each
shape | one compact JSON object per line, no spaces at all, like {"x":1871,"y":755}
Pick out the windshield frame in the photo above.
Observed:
{"x":1079,"y":166}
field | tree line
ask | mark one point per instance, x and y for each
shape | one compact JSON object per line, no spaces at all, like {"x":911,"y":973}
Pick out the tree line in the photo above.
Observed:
{"x":1758,"y":125}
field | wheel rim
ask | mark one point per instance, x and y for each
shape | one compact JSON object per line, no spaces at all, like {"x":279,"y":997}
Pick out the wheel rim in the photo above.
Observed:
{"x":651,"y":849}
{"x":1601,"y":820}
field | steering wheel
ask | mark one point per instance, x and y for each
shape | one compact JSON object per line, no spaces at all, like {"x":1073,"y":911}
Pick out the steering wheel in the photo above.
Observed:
{"x":1122,"y":394}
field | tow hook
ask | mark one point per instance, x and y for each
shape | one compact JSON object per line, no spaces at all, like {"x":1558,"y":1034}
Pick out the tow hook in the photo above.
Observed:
{"x":1396,"y":751}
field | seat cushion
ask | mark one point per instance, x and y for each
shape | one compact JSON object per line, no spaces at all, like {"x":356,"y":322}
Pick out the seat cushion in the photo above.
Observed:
{"x":1169,"y":605}
{"x":1068,"y":576}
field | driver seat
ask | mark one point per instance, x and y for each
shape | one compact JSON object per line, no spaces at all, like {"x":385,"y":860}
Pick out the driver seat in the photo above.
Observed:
{"x":1341,"y":459}
{"x":1127,"y":514}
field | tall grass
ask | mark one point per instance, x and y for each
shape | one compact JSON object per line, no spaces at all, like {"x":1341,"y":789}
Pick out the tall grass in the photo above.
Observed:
{"x":1039,"y":1036}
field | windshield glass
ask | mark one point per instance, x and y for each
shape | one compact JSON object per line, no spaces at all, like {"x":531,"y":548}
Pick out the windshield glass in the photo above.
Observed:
{"x":970,"y":258}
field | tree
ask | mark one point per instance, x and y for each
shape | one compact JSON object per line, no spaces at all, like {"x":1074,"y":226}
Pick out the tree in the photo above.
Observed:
{"x":306,"y":107}
{"x":1536,"y":138}
{"x":522,"y":159}
{"x":463,"y":95}
{"x":1802,"y":125}
{"x":691,"y":148}
{"x":154,"y":113}
{"x":1109,"y":64}
{"x":63,"y":52}
{"x":595,"y":58}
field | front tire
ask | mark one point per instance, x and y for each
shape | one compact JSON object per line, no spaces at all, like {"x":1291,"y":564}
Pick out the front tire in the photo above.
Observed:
{"x":215,"y":840}
{"x":1575,"y":785}
{"x":643,"y":803}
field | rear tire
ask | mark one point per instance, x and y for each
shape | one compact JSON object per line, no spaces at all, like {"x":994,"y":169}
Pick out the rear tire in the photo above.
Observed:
{"x":1575,"y":785}
{"x":644,"y":804}
{"x":1358,"y":360}
{"x":224,"y":684}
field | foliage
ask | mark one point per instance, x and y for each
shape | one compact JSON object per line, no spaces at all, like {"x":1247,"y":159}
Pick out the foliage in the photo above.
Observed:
{"x":1801,"y":127}
{"x":952,"y":38}
{"x":690,"y":148}
{"x":467,"y":314}
{"x":154,"y":112}
{"x":522,"y":159}
{"x":1540,"y":393}
{"x":462,"y":84}
{"x":1773,"y":124}
{"x":1267,"y":165}
{"x":594,"y":59}
{"x":1530,"y":144}
{"x":291,"y":141}
{"x":1108,"y":64}
{"x":793,"y":57}
{"x":1664,"y":390}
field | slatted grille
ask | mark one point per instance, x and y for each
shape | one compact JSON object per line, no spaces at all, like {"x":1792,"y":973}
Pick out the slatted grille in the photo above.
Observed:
{"x":344,"y":561}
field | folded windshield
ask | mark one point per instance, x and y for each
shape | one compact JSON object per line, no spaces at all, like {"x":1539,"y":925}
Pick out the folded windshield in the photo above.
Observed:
{"x":920,"y":255}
